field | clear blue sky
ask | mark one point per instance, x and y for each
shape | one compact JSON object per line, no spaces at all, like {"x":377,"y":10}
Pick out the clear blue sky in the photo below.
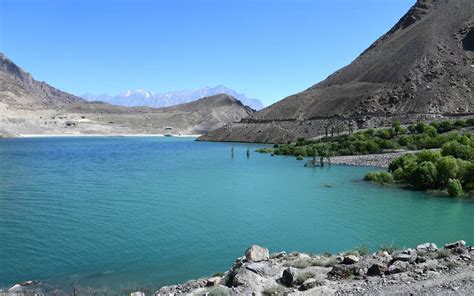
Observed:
{"x":265,"y":49}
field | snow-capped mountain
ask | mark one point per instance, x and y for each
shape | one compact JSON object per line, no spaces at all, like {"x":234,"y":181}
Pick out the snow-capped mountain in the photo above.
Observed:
{"x":140,"y":97}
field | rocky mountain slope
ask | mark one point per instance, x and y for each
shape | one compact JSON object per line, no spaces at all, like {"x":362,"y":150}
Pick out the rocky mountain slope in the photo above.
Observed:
{"x":28,"y":106}
{"x":422,"y":68}
{"x":140,"y":97}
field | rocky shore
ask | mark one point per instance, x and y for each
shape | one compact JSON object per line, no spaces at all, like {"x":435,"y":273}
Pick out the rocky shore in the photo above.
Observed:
{"x":377,"y":160}
{"x":424,"y":270}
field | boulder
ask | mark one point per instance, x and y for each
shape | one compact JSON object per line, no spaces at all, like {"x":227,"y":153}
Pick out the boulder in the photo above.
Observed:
{"x":340,"y":272}
{"x":350,"y":259}
{"x":260,"y":268}
{"x":309,"y":284}
{"x":214,"y":281}
{"x":457,"y":244}
{"x":288,"y":277}
{"x":398,"y":267}
{"x":257,"y":253}
{"x":376,"y":270}
{"x":427,"y":247}
{"x":137,"y":294}
{"x":408,"y":255}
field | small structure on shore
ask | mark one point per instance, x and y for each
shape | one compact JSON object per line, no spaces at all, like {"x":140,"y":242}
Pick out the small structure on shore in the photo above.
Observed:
{"x":168,"y":130}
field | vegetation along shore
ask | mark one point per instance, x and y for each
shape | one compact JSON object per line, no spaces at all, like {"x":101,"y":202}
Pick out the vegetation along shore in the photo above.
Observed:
{"x":434,"y":156}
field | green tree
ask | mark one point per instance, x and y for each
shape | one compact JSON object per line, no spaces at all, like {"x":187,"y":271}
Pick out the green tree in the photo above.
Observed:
{"x":447,"y":168}
{"x":425,"y":175}
{"x":454,"y":187}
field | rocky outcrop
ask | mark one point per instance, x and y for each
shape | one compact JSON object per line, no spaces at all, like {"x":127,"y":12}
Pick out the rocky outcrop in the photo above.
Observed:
{"x":426,"y":271}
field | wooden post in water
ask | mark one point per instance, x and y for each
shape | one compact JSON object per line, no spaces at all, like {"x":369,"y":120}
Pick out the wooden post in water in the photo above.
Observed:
{"x":232,"y":152}
{"x":248,"y":152}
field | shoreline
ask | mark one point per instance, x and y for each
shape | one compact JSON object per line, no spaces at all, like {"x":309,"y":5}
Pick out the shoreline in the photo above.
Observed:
{"x":98,"y":135}
{"x":381,"y":160}
{"x":424,"y":270}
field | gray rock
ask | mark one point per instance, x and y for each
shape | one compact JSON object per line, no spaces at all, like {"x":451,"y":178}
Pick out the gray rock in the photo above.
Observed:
{"x":259,"y":268}
{"x":288,"y":277}
{"x":214,"y":281}
{"x":350,"y":259}
{"x":309,"y":284}
{"x":428,"y":247}
{"x":457,"y":244}
{"x":408,"y":255}
{"x":257,"y":253}
{"x":398,"y":267}
{"x":376,"y":270}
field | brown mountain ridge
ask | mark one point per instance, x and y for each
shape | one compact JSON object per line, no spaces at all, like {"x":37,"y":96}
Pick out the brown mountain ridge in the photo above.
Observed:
{"x":421,"y":69}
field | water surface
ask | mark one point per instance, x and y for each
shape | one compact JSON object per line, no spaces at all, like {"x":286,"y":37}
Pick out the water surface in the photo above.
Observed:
{"x":124,"y":212}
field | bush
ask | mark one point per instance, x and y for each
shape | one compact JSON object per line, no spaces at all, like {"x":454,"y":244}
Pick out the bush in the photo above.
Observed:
{"x":460,"y":123}
{"x":444,"y":126}
{"x":470,"y":121}
{"x":425,"y":175}
{"x":264,"y":150}
{"x":458,"y":150}
{"x":454,"y":187}
{"x":447,"y":167}
{"x":379,"y":177}
{"x":389,"y":248}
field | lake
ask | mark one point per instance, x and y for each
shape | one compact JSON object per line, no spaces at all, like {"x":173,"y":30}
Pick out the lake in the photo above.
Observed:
{"x":124,"y":212}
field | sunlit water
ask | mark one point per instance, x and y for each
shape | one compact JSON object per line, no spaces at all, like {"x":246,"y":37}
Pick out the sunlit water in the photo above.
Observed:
{"x":130,"y":212}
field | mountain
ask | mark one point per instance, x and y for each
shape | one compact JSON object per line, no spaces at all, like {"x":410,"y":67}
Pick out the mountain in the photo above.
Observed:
{"x":142,"y":97}
{"x":18,"y":89}
{"x":421,"y":69}
{"x":28,"y":106}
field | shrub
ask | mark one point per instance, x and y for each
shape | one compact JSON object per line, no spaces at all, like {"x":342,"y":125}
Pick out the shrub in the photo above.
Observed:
{"x":447,"y":167}
{"x":470,"y":121}
{"x":458,"y":150}
{"x":444,"y":126}
{"x":379,"y":177}
{"x":264,"y":150}
{"x":397,"y":128}
{"x":406,"y":140}
{"x":425,"y":175}
{"x":389,"y":248}
{"x":362,"y":250}
{"x":460,"y":123}
{"x":454,"y":187}
{"x":443,"y":253}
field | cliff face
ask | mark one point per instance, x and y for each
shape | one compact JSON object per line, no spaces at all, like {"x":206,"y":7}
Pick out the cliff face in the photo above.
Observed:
{"x":423,"y":65}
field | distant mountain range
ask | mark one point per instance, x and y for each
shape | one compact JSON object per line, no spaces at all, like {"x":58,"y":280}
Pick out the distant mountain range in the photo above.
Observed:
{"x":28,"y":106}
{"x":140,"y":97}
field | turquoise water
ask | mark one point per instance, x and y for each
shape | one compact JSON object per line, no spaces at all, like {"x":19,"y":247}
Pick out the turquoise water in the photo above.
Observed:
{"x":130,"y":212}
